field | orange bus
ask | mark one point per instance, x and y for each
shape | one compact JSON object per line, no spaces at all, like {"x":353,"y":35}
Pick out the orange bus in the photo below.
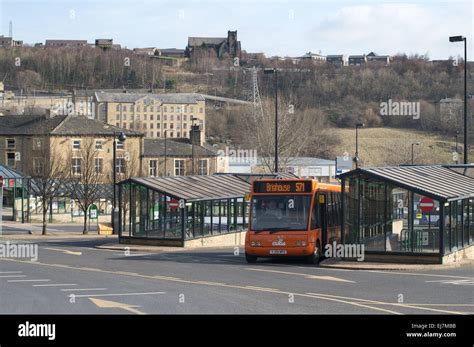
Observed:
{"x":292,"y":218}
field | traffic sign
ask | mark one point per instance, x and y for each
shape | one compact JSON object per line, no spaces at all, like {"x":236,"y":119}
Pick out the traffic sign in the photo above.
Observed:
{"x":173,"y":204}
{"x":426,"y":204}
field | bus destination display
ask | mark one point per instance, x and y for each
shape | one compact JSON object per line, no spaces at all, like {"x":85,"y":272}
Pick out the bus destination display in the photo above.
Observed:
{"x":282,"y":187}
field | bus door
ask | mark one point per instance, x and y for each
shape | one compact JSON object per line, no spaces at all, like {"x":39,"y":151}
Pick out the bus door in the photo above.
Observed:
{"x":323,"y":217}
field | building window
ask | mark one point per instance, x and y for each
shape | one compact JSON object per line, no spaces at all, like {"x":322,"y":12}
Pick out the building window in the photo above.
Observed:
{"x":124,"y":108}
{"x":165,"y":109}
{"x":165,"y":126}
{"x":165,"y":117}
{"x":151,"y":117}
{"x":158,"y":133}
{"x":98,"y":144}
{"x":37,"y":144}
{"x":117,"y":124}
{"x":132,"y":107}
{"x":171,"y":126}
{"x":124,"y":125}
{"x":185,"y":118}
{"x":99,"y":165}
{"x":171,"y":108}
{"x":152,"y":168}
{"x":157,"y":117}
{"x":38,"y":166}
{"x":152,"y":108}
{"x":138,"y":108}
{"x":145,"y":108}
{"x":191,"y":109}
{"x":158,"y":125}
{"x":11,"y":144}
{"x":117,"y":116}
{"x":11,"y":159}
{"x":76,"y":166}
{"x":185,"y":126}
{"x":202,"y":167}
{"x":117,"y":108}
{"x":124,"y":117}
{"x":120,"y":166}
{"x":76,"y":144}
{"x":179,"y":167}
{"x":178,"y":117}
{"x":151,"y":125}
{"x":171,"y":117}
{"x":119,"y":145}
{"x":171,"y":134}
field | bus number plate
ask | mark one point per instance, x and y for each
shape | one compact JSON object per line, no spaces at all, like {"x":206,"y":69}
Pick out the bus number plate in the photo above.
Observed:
{"x":277,"y":251}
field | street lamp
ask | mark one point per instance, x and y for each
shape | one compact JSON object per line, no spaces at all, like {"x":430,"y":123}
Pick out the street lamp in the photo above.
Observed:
{"x":412,"y":151}
{"x":121,"y":137}
{"x":459,"y":39}
{"x":456,"y":136}
{"x":274,"y":71}
{"x":193,"y":135}
{"x":166,"y":150}
{"x":356,"y":158}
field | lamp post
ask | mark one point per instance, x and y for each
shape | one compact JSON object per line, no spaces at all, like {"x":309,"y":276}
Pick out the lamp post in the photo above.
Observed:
{"x":166,"y":151}
{"x":459,"y":39}
{"x":412,"y":151}
{"x":121,"y":137}
{"x":356,"y":158}
{"x":274,"y":71}
{"x":456,"y":136}
{"x":193,"y":135}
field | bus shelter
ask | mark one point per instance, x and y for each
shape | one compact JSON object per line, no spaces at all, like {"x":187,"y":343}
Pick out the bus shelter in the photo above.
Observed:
{"x":15,"y":193}
{"x":171,"y":210}
{"x":409,"y":210}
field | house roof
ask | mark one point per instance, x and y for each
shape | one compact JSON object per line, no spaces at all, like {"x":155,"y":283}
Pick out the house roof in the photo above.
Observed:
{"x":171,"y":98}
{"x":57,"y":125}
{"x":194,"y":188}
{"x":174,"y":148}
{"x":9,"y":173}
{"x":198,"y":41}
{"x":436,"y":181}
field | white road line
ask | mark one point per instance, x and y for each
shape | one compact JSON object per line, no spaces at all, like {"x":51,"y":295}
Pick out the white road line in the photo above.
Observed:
{"x":11,"y":272}
{"x":54,"y":285}
{"x":133,"y":255}
{"x":10,"y":276}
{"x":65,"y":251}
{"x":39,"y":280}
{"x":81,"y":289}
{"x":118,"y":294}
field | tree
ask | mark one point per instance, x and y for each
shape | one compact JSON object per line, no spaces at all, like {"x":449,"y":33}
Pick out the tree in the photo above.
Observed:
{"x":85,"y":179}
{"x":294,"y":132}
{"x":47,"y":172}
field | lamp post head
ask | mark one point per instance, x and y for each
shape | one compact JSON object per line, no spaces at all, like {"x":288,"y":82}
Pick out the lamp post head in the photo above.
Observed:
{"x":456,"y":38}
{"x":267,"y":70}
{"x":122,"y":137}
{"x":360,"y":125}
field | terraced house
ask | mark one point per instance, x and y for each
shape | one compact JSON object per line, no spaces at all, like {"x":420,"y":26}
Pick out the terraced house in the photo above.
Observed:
{"x":28,"y":142}
{"x":152,"y":114}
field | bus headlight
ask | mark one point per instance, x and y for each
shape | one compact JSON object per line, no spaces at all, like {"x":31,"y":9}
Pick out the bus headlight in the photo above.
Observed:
{"x":255,"y":243}
{"x":301,"y":243}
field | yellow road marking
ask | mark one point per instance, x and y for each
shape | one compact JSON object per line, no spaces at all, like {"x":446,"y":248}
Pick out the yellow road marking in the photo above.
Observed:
{"x":65,"y":251}
{"x":325,"y":278}
{"x":390,"y":303}
{"x":113,"y":304}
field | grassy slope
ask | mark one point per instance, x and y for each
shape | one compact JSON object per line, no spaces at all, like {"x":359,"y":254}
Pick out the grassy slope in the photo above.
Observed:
{"x":391,"y":146}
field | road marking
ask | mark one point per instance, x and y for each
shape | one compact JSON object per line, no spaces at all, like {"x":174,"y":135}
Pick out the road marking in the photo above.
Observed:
{"x":81,"y":289}
{"x":10,"y":276}
{"x":418,"y":274}
{"x":325,"y":278}
{"x":133,"y":255}
{"x":455,"y":282}
{"x":390,"y":303}
{"x":112,"y":304}
{"x":117,"y":294}
{"x":65,"y":251}
{"x":39,"y":280}
{"x":314,"y":295}
{"x":54,"y":285}
{"x":165,"y":278}
{"x":11,"y":272}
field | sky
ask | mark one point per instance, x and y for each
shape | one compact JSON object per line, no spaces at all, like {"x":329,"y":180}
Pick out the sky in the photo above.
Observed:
{"x":276,"y":27}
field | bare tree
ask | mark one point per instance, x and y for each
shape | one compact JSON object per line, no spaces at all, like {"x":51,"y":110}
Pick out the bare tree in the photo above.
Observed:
{"x":294,"y":131}
{"x":85,"y":178}
{"x":47,"y":172}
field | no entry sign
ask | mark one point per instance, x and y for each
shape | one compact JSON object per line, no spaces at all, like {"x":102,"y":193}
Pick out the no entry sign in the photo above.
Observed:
{"x":426,"y":205}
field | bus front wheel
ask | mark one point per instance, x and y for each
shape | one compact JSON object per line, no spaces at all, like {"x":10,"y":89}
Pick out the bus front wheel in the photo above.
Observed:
{"x":250,"y":258}
{"x":316,"y":256}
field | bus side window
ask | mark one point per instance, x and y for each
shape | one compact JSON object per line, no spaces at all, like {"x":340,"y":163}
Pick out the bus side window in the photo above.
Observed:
{"x":330,"y":209}
{"x":315,"y":224}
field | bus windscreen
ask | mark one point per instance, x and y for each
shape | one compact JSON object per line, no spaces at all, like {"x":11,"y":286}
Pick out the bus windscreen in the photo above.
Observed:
{"x":280,"y":212}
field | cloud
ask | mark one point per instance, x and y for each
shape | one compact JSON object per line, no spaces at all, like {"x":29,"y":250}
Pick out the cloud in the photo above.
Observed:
{"x":394,"y":28}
